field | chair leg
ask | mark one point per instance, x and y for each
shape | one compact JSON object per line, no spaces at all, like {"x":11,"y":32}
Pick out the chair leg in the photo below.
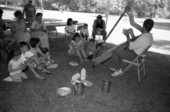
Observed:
{"x":144,"y":73}
{"x":138,"y":73}
{"x":126,"y":69}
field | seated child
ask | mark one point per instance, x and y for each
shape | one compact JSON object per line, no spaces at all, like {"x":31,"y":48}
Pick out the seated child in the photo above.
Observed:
{"x":84,"y":32}
{"x":15,"y":67}
{"x":91,"y":48}
{"x":44,"y":58}
{"x":77,"y":47}
{"x":31,"y":61}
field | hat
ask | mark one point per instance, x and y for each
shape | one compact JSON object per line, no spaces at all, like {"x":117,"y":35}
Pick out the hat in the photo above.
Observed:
{"x":99,"y":17}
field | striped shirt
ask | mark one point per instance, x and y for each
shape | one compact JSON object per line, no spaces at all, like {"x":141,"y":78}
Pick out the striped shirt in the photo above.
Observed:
{"x":141,"y":43}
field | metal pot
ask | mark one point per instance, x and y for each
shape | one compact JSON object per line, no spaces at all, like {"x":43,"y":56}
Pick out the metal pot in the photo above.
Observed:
{"x":106,"y":86}
{"x":79,"y":88}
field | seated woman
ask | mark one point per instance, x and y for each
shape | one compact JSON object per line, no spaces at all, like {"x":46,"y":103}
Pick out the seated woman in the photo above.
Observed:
{"x":70,"y":28}
{"x":18,"y":28}
{"x":6,"y":40}
{"x":77,"y":47}
{"x":38,"y":30}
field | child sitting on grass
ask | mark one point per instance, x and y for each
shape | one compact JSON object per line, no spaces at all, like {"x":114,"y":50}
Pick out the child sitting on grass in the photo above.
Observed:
{"x":43,"y":57}
{"x":77,"y":47}
{"x":91,"y":48}
{"x":84,"y":32}
{"x":15,"y":67}
{"x":31,"y":61}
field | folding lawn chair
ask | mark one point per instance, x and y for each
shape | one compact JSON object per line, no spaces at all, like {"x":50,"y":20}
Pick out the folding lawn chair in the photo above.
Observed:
{"x":68,"y":37}
{"x":139,"y":62}
{"x":79,"y":28}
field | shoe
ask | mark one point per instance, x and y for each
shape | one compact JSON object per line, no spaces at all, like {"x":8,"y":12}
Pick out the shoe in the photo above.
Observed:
{"x":113,"y":69}
{"x":116,"y":73}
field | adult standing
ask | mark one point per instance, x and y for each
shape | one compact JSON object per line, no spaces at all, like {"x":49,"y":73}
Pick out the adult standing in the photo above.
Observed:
{"x":99,"y":27}
{"x":29,"y":11}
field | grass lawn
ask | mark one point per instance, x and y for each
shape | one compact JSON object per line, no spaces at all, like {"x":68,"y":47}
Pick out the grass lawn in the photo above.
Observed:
{"x":127,"y":95}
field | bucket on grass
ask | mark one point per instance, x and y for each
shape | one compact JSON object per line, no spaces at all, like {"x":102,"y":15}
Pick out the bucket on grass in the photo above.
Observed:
{"x":79,"y":88}
{"x":106,"y":86}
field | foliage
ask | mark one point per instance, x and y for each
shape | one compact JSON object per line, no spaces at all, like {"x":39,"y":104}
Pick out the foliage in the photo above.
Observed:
{"x":142,"y":7}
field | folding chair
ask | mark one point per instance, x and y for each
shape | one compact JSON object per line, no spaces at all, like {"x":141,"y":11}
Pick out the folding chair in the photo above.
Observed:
{"x":79,"y":28}
{"x":68,"y":37}
{"x":139,"y":62}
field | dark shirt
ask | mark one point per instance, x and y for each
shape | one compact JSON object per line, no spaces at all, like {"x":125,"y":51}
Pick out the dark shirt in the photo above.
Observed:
{"x":99,"y":25}
{"x":30,"y":10}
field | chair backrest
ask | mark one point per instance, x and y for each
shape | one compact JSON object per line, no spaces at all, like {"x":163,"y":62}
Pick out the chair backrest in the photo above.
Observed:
{"x":79,"y":28}
{"x":145,"y":51}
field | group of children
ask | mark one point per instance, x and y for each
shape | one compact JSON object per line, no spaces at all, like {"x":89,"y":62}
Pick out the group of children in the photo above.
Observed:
{"x":29,"y":55}
{"x":81,"y":46}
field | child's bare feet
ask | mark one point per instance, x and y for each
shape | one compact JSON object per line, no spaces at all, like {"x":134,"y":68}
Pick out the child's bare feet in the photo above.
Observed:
{"x":46,"y":71}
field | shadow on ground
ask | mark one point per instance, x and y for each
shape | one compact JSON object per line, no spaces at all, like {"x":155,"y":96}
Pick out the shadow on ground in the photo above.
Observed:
{"x":162,"y":44}
{"x":160,"y":25}
{"x":127,"y":95}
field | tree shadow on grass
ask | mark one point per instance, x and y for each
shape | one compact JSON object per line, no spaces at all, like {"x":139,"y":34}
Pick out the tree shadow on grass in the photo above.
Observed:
{"x":126,"y":94}
{"x":162,"y":44}
{"x":162,"y":25}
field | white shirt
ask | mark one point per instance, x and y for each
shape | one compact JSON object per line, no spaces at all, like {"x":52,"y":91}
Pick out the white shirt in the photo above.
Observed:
{"x":15,"y":64}
{"x":70,"y":29}
{"x":36,"y":25}
{"x":85,"y":32}
{"x":141,"y":43}
{"x":25,"y":56}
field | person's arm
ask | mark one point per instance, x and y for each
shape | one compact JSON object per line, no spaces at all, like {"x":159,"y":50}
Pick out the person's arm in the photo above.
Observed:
{"x":104,"y":25}
{"x":94,"y":25}
{"x":132,"y":22}
{"x":24,"y":10}
{"x":130,"y":30}
{"x":40,"y":52}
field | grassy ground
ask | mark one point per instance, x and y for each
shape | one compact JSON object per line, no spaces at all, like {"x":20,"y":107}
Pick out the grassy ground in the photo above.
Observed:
{"x":127,"y":95}
{"x":152,"y":95}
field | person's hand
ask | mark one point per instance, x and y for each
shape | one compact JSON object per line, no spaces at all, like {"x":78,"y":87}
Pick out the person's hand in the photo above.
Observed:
{"x":130,"y":30}
{"x":23,"y":66}
{"x":125,"y":32}
{"x":127,"y":9}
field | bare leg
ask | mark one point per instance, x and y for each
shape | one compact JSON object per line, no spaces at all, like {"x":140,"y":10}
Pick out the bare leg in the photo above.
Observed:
{"x":39,"y":66}
{"x":83,"y":52}
{"x":79,"y":55}
{"x":37,"y":76}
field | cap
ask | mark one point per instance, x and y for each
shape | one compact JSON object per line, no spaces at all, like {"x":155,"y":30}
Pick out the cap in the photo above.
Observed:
{"x":99,"y":17}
